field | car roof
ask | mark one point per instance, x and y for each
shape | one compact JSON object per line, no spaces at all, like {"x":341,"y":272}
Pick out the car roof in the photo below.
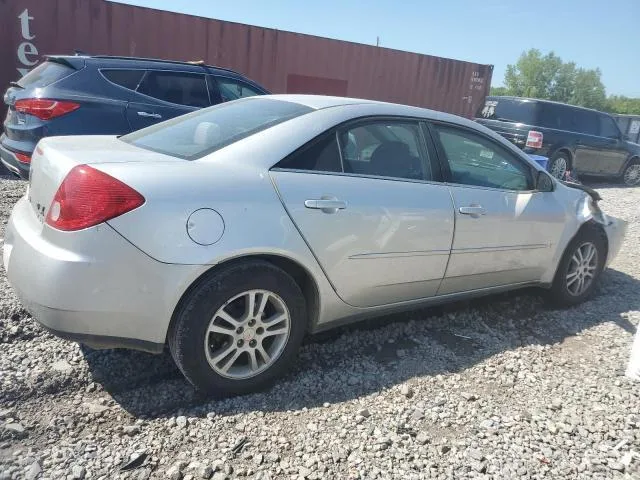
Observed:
{"x":196,"y":66}
{"x":318,"y":102}
{"x":540,"y":100}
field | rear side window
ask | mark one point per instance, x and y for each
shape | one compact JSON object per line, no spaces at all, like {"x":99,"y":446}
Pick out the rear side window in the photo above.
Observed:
{"x":557,"y":116}
{"x":231,"y":89}
{"x":509,"y":110}
{"x":202,"y":132}
{"x":181,"y":88}
{"x":125,"y":78}
{"x":585,"y":121}
{"x":320,"y":156}
{"x":45,"y":74}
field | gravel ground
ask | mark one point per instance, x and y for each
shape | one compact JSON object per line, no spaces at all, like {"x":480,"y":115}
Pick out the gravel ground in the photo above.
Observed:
{"x":498,"y":388}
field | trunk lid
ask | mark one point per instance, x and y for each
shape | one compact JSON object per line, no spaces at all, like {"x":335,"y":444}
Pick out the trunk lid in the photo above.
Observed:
{"x":54,"y":157}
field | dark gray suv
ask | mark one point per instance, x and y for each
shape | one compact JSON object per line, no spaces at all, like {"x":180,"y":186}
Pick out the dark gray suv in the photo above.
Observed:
{"x":106,"y":95}
{"x":576,"y":140}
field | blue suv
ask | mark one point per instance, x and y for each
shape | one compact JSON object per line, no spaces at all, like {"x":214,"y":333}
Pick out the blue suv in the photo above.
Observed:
{"x":107,"y":95}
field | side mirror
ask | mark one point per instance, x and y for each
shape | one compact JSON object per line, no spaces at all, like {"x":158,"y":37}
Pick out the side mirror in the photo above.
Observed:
{"x":544,"y":182}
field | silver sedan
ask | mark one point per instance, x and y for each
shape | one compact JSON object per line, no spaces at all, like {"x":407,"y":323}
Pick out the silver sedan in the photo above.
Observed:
{"x":231,"y":232}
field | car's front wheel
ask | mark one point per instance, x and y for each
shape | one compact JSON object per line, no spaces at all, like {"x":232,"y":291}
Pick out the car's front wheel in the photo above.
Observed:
{"x":580,"y":267}
{"x":239,"y":329}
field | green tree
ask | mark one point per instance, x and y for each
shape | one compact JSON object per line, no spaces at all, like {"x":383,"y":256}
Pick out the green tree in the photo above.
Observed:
{"x":623,"y":105}
{"x":548,"y":77}
{"x":499,"y":91}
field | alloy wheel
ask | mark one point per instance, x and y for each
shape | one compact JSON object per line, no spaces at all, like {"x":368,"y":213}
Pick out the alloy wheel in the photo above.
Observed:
{"x":632,"y":175}
{"x":247,"y":334}
{"x":582,"y":268}
{"x":559,"y":168}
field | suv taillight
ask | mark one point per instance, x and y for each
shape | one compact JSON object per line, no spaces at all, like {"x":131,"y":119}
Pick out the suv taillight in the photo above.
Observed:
{"x":44,"y":108}
{"x":23,"y":158}
{"x":88,"y":197}
{"x":534,"y":139}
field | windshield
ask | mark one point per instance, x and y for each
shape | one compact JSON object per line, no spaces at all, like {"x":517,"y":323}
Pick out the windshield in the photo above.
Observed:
{"x":202,"y":132}
{"x":509,"y":110}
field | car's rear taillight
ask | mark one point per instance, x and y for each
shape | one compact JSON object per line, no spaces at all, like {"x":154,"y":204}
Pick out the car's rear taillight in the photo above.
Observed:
{"x":534,"y":139}
{"x":23,"y":158}
{"x":44,"y":108}
{"x":88,"y":197}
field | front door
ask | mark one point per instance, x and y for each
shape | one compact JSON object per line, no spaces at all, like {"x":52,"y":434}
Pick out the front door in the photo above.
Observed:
{"x":378,"y":225}
{"x":505,"y":232}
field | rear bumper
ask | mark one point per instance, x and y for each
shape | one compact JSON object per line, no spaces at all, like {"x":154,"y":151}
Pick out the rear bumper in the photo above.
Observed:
{"x":10,"y":161}
{"x":91,"y":286}
{"x":616,"y":230}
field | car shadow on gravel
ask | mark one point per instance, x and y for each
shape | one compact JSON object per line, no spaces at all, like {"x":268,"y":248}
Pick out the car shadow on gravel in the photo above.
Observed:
{"x":375,"y":355}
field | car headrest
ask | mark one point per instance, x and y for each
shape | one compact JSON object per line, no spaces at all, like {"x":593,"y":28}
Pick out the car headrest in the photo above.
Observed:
{"x":391,"y":157}
{"x":207,"y":134}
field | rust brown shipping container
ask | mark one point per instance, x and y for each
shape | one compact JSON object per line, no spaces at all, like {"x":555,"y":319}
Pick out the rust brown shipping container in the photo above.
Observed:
{"x":281,"y":61}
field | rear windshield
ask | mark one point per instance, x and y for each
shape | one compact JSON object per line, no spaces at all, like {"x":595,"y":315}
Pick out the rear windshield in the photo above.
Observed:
{"x":509,"y":110}
{"x":45,"y":74}
{"x":199,"y":133}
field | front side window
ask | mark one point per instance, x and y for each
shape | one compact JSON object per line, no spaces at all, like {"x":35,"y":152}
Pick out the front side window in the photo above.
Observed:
{"x":384,"y":149}
{"x":181,"y":88}
{"x":608,"y":127}
{"x":231,"y":89}
{"x":199,"y":133}
{"x":474,"y":160}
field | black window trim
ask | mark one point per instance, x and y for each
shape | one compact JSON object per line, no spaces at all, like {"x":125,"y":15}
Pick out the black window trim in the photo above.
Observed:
{"x":149,"y":70}
{"x":431,"y":126}
{"x":430,"y":150}
{"x":215,"y":97}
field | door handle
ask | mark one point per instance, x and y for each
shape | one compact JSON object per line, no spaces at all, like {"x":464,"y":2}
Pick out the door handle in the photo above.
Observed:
{"x":326,"y":205}
{"x":474,"y":210}
{"x":149,"y":115}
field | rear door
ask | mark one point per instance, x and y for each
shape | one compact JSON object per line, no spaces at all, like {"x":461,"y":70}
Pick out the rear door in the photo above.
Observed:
{"x":162,"y":95}
{"x":505,"y":232}
{"x":589,"y":144}
{"x":613,"y":152}
{"x":372,"y":210}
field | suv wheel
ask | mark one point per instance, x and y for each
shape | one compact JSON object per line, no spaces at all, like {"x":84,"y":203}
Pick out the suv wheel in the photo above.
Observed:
{"x":631,"y":174}
{"x":559,"y":165}
{"x":239,"y":329}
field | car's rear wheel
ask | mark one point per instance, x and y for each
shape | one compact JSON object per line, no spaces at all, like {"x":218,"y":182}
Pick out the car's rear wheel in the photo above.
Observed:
{"x":239,"y":329}
{"x":558,"y":165}
{"x":631,"y":174}
{"x":580,"y":268}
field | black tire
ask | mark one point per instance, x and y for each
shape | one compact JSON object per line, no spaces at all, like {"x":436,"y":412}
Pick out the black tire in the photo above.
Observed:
{"x":559,"y":293}
{"x":556,"y":161}
{"x":190,"y":323}
{"x":631,"y":181}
